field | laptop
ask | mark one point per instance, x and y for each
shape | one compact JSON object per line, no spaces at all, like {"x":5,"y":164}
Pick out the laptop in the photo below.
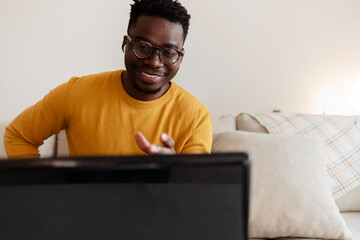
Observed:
{"x":127,"y":197}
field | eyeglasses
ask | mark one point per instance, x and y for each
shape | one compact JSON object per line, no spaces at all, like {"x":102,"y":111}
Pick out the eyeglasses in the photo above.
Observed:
{"x":143,"y":50}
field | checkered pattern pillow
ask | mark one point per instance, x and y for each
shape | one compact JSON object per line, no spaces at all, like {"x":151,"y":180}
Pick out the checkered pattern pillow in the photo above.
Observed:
{"x":341,"y":135}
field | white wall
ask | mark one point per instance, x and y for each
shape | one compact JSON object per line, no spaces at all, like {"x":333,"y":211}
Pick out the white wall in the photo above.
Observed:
{"x":241,"y":55}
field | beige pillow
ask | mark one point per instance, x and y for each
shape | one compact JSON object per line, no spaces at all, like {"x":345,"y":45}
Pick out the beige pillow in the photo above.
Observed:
{"x":290,"y":190}
{"x":246,"y":122}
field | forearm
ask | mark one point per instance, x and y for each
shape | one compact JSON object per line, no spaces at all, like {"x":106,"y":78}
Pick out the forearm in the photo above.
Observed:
{"x":27,"y":132}
{"x":16,"y":146}
{"x":30,"y":128}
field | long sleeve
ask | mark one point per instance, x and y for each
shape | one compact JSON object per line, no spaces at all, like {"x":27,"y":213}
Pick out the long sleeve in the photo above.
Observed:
{"x":31,"y":127}
{"x":200,"y":140}
{"x":100,"y":118}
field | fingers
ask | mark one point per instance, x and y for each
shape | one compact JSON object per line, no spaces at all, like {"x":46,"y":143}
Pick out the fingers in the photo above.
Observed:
{"x":146,"y":146}
{"x":142,"y":142}
{"x":165,"y":150}
{"x":167,"y":140}
{"x":149,"y":148}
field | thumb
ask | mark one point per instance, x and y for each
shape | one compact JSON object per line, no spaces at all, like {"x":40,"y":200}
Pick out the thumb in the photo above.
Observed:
{"x":142,"y":142}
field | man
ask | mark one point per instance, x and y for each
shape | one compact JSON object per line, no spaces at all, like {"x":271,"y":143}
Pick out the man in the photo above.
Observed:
{"x":134,"y":111}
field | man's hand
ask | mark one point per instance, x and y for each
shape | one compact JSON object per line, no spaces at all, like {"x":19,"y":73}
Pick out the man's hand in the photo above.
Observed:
{"x":147,"y":147}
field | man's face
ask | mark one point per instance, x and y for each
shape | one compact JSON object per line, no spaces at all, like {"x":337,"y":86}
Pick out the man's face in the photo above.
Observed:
{"x":147,"y":79}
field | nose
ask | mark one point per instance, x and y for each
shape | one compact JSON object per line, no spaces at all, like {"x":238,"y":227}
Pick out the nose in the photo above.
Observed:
{"x":154,"y":60}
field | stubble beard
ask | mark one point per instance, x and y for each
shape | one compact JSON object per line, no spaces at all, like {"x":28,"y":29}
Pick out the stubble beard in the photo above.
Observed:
{"x":148,"y":92}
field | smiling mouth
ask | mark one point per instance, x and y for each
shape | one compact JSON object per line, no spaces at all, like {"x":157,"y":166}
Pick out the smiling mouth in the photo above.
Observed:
{"x":151,"y":76}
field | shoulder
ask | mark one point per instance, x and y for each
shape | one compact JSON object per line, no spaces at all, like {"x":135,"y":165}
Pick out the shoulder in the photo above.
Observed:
{"x":98,"y":78}
{"x":92,"y":86}
{"x":187,"y":103}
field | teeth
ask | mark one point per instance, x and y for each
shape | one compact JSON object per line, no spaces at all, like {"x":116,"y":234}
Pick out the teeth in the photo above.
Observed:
{"x":149,"y":75}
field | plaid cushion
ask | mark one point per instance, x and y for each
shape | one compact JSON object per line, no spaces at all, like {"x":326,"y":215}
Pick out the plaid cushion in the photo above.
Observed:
{"x":341,"y":135}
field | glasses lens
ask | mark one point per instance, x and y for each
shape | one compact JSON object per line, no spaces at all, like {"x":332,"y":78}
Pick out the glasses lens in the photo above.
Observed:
{"x":169,"y":56}
{"x":142,"y":49}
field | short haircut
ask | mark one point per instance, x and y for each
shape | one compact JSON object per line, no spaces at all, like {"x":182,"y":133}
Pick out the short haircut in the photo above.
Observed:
{"x":171,"y":10}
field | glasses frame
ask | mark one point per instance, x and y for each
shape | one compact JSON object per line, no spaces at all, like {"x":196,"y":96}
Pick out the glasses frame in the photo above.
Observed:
{"x":133,"y":41}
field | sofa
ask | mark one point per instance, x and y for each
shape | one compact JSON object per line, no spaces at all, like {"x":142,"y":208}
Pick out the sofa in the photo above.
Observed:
{"x":283,"y":149}
{"x":300,"y":188}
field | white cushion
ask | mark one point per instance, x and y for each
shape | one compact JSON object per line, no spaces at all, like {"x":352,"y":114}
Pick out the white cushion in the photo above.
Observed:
{"x":290,"y":190}
{"x":352,"y":220}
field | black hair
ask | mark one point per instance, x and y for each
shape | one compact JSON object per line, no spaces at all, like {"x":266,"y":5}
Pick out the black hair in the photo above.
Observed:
{"x":171,"y":10}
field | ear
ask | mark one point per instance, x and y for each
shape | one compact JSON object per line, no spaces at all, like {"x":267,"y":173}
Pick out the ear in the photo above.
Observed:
{"x":125,"y":41}
{"x":181,"y":58}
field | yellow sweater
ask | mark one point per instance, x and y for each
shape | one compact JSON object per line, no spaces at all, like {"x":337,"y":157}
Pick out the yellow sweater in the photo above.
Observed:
{"x":100,"y":118}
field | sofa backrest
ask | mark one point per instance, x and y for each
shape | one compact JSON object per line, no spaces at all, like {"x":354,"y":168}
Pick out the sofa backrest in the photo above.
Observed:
{"x":347,"y":203}
{"x":223,"y":123}
{"x":62,"y":149}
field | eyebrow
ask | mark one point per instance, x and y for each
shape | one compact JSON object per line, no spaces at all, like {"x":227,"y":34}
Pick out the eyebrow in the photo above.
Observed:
{"x":166,"y":45}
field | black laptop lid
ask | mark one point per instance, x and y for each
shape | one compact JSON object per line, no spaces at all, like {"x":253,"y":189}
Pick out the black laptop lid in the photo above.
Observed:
{"x":142,"y":197}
